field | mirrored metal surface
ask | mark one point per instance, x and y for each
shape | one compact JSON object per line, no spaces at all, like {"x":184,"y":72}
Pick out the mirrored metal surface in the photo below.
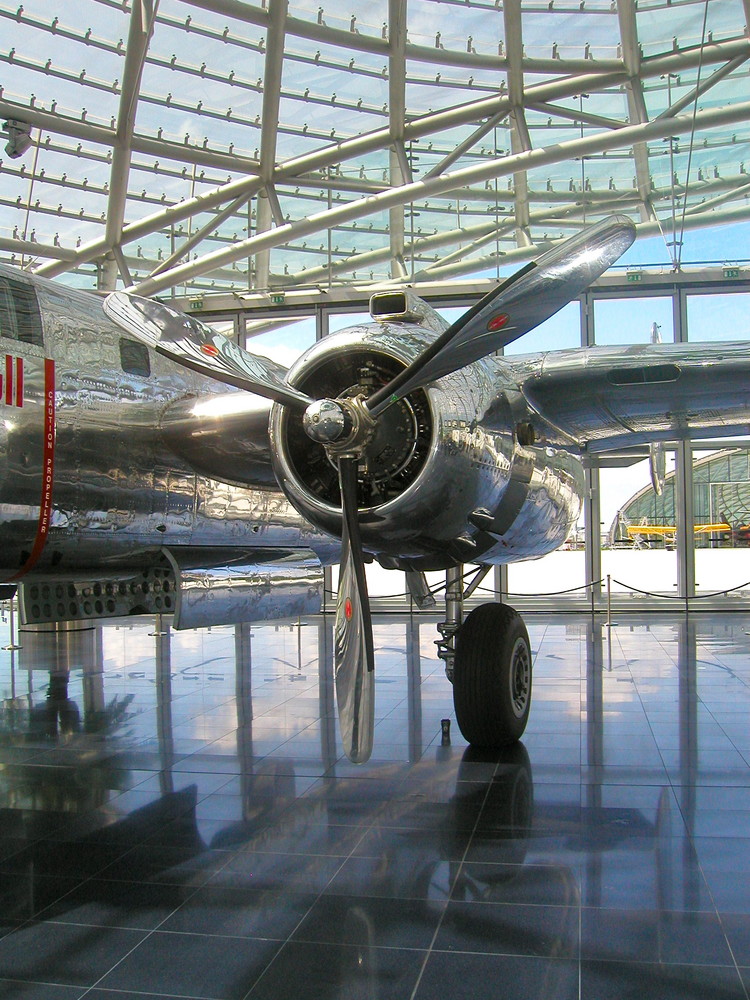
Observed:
{"x":278,"y":585}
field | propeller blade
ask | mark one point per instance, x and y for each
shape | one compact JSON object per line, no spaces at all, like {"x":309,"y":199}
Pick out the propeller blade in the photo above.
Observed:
{"x":515,"y":307}
{"x":196,"y":346}
{"x":354,"y":658}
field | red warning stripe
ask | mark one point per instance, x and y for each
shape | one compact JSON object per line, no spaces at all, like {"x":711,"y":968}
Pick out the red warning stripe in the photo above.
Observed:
{"x":48,"y":464}
{"x":19,"y":381}
{"x":12,"y":381}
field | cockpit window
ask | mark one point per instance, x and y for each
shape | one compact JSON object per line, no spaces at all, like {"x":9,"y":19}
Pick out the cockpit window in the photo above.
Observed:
{"x":134,"y":358}
{"x":19,"y":312}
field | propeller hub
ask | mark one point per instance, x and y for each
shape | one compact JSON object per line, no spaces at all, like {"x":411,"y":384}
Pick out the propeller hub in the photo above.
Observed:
{"x":326,"y":421}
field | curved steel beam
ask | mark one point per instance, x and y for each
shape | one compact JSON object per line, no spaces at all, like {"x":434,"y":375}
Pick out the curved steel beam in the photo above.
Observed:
{"x":440,"y":185}
{"x":599,"y":74}
{"x":139,"y":34}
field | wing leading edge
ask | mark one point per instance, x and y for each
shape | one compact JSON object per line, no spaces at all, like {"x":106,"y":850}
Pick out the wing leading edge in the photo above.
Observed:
{"x":607,"y":398}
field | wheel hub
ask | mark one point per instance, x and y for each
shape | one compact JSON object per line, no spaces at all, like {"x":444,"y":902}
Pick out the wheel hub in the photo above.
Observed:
{"x":520,"y":677}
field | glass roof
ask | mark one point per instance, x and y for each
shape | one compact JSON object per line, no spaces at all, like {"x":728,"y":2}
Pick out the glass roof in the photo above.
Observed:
{"x":231,"y":145}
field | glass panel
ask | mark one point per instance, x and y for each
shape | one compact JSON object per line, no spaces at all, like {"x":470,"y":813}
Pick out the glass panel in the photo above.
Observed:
{"x":560,"y":331}
{"x":639,"y":530}
{"x":718,"y":316}
{"x":475,"y":30}
{"x":632,"y":320}
{"x":382,"y":584}
{"x":134,"y":358}
{"x":452,"y":313}
{"x":19,"y":312}
{"x":200,"y":124}
{"x":560,"y":573}
{"x":342,"y":321}
{"x":721,"y":482}
{"x":8,"y":326}
{"x":285,"y":342}
{"x":548,"y":31}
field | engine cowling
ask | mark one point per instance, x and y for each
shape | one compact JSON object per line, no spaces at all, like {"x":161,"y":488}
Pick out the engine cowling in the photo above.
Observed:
{"x":445,"y":478}
{"x":356,"y":361}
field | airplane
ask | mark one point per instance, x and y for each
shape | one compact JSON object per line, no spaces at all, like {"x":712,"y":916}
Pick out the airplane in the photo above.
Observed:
{"x":150,"y":465}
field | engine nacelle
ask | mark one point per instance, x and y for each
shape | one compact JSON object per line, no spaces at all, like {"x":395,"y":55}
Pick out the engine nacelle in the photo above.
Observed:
{"x":453,"y":473}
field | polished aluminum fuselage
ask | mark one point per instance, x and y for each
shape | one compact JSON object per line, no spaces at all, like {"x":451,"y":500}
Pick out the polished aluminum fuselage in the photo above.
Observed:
{"x":108,"y":468}
{"x":120,"y":490}
{"x":132,"y":464}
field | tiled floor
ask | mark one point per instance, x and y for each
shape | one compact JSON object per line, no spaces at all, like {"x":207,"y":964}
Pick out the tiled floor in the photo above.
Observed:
{"x":176,"y":819}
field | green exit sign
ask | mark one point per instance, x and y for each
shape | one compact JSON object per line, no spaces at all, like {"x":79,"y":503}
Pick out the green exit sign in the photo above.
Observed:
{"x":278,"y":298}
{"x":196,"y":305}
{"x":731,"y":272}
{"x":635,"y":275}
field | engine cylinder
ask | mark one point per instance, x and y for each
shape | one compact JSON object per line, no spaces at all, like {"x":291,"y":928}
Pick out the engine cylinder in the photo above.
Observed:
{"x":346,"y":365}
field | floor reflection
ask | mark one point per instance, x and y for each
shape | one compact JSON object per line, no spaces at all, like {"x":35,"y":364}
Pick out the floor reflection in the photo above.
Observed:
{"x":177,"y":818}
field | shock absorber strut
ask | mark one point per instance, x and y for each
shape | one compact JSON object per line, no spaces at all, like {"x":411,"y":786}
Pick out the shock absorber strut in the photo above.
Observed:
{"x":454,"y":606}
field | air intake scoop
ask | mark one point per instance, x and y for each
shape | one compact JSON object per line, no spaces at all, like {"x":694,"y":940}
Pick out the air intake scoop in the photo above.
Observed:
{"x":403,"y":306}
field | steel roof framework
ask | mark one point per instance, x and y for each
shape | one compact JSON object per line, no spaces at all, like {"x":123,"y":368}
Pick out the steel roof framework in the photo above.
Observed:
{"x":244,"y":146}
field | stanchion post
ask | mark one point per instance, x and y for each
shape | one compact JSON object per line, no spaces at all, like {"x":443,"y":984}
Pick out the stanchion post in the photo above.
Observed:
{"x":12,"y":617}
{"x":609,"y":623}
{"x":158,"y":630}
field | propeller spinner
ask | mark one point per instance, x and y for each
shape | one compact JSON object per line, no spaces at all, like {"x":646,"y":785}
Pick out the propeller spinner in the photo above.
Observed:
{"x":347,"y":425}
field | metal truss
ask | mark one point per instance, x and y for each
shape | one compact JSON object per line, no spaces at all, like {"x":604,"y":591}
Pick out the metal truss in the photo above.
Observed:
{"x":386,"y":144}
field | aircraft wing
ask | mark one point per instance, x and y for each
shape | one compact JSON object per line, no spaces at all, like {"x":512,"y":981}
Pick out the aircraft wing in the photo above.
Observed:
{"x":605,"y":398}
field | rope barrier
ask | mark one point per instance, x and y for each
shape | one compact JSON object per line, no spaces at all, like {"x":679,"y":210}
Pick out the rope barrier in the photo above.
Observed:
{"x":552,"y":593}
{"x":675,"y":597}
{"x":439,"y":588}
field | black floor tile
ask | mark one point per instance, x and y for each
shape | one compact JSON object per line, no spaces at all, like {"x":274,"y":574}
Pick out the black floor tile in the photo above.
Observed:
{"x":155,"y":863}
{"x":24,"y":894}
{"x":194,"y":965}
{"x":486,"y":847}
{"x":508,"y":929}
{"x":381,"y":922}
{"x":109,"y":903}
{"x":730,"y":891}
{"x":443,"y":841}
{"x":52,"y":858}
{"x":395,"y":876}
{"x":737,"y":929}
{"x":653,"y":936}
{"x":724,"y":854}
{"x":64,"y":953}
{"x":275,"y":871}
{"x":497,"y":977}
{"x":348,"y":970}
{"x":557,"y":885}
{"x":633,"y":980}
{"x":234,"y":852}
{"x":236,"y":912}
{"x":97,"y":994}
{"x":17,"y":990}
{"x":646,"y":876}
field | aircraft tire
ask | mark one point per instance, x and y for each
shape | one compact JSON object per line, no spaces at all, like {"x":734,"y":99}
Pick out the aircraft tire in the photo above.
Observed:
{"x":492,"y":676}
